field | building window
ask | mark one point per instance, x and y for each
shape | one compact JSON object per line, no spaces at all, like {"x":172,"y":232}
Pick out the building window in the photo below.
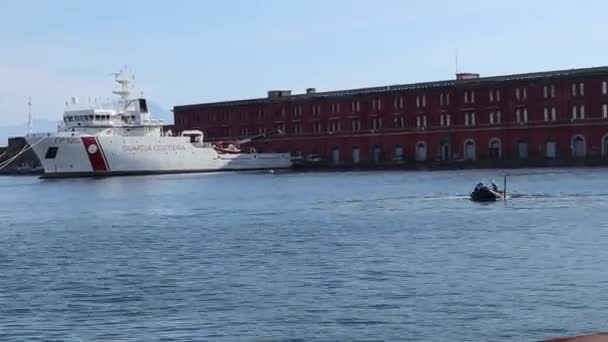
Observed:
{"x":469,"y":150}
{"x":605,"y":88}
{"x":262,"y":130}
{"x":521,"y":115}
{"x":420,"y":151}
{"x":356,"y":125}
{"x":605,"y":111}
{"x":334,"y":126}
{"x":578,"y":145}
{"x":550,"y":114}
{"x":376,"y":104}
{"x":494,"y":95}
{"x":355,"y":106}
{"x":421,"y":121}
{"x":261,"y":114}
{"x":580,"y":87}
{"x":376,"y":123}
{"x":444,"y":120}
{"x":578,"y":112}
{"x":398,"y":102}
{"x":297,"y":128}
{"x":521,"y":93}
{"x":399,"y":122}
{"x":316,"y":127}
{"x":421,"y":101}
{"x":469,"y":96}
{"x":550,"y":149}
{"x":549,"y":91}
{"x":444,"y":99}
{"x":494,"y":149}
{"x":573,"y":89}
{"x":297,"y":111}
{"x":469,"y":118}
{"x":492,"y":118}
{"x":335,"y":107}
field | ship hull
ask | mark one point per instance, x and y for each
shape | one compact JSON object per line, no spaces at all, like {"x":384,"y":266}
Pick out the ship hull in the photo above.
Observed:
{"x":63,"y":155}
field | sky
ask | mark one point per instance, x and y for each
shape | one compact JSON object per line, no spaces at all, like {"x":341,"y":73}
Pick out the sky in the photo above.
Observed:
{"x":198,"y":51}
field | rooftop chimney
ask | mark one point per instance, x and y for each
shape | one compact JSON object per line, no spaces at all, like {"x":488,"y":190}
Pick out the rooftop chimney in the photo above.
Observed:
{"x":466,"y":76}
{"x":310,"y":91}
{"x":278,"y":93}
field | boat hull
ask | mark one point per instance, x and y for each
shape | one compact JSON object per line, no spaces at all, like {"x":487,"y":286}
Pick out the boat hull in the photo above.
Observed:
{"x":65,"y":155}
{"x":486,"y":196}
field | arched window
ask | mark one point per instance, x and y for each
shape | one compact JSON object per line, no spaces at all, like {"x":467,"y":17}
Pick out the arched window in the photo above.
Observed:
{"x":579,"y":146}
{"x":550,"y":149}
{"x":356,"y":155}
{"x":522,"y":149}
{"x":469,"y":150}
{"x":445,"y":151}
{"x":605,"y":145}
{"x":494,"y":148}
{"x":335,"y":155}
{"x":377,"y":154}
{"x":420,"y":151}
{"x":398,"y":155}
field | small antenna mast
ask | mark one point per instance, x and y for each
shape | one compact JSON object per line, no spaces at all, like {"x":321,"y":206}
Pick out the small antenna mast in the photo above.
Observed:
{"x":456,"y":59}
{"x":29,"y":115}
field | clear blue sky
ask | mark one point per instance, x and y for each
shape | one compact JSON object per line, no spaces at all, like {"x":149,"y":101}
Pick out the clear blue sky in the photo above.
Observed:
{"x":197,"y":51}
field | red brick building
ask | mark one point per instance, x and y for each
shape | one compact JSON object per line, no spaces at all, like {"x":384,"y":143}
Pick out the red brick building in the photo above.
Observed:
{"x":537,"y":118}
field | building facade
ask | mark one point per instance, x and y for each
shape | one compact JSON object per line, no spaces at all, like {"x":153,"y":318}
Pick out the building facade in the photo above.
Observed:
{"x":535,"y":118}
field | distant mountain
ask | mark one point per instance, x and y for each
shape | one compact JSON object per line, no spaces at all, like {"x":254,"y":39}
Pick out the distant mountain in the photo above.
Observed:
{"x":38,"y":126}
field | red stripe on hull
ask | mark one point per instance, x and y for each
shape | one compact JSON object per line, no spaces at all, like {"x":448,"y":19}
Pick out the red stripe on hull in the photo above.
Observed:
{"x":96,"y":157}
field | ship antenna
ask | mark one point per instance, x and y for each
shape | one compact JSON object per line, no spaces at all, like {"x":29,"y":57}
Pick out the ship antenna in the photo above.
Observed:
{"x":29,"y":115}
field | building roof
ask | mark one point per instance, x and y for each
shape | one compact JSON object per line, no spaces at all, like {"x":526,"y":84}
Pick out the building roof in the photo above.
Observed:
{"x":410,"y":86}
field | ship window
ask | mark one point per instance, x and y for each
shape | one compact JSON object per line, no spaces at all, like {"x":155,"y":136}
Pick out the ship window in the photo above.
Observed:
{"x":90,"y":117}
{"x":51,"y":153}
{"x":97,"y":117}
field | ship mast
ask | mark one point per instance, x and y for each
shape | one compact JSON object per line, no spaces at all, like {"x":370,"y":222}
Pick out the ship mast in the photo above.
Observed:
{"x":126,"y":85}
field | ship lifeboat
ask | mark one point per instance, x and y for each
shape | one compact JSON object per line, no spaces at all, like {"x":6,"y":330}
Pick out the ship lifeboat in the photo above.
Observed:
{"x":227,"y":148}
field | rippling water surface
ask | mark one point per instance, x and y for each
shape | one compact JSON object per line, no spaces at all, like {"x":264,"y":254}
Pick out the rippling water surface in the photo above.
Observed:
{"x":303,"y":256}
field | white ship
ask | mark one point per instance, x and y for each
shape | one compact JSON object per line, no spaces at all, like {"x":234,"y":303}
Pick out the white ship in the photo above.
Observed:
{"x":125,"y":140}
